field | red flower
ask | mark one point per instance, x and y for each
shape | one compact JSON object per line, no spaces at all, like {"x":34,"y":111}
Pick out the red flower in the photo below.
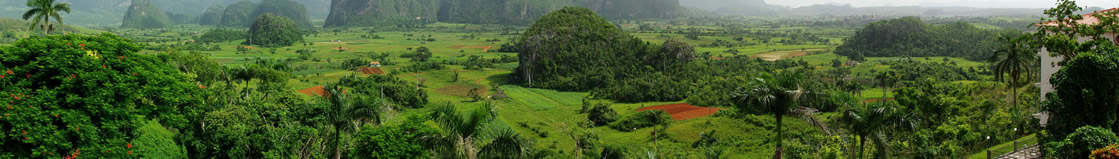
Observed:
{"x":76,"y":128}
{"x":103,"y":66}
{"x":67,"y":44}
{"x":29,"y":75}
{"x":129,"y":152}
{"x":133,"y":74}
{"x":83,"y":45}
{"x":17,"y":97}
{"x":25,"y":138}
{"x":130,"y":145}
{"x":73,"y":76}
{"x":1,"y":76}
{"x":25,"y":132}
{"x":9,"y":72}
{"x":201,"y":86}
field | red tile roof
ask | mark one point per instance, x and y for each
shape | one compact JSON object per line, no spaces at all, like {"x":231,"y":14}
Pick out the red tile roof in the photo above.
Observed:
{"x":1088,"y":18}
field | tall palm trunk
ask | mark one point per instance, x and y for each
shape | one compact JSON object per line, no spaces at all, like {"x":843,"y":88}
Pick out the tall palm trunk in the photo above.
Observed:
{"x":779,"y":137}
{"x":862,"y":146}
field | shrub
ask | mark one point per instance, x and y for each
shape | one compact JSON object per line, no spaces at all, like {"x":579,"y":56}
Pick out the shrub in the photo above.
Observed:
{"x":397,"y":141}
{"x":1082,"y":142}
{"x":642,"y":119}
{"x":602,"y":114}
{"x":1109,"y":152}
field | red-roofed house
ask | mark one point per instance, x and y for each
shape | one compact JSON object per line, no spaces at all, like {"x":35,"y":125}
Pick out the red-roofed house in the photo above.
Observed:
{"x":1049,"y":63}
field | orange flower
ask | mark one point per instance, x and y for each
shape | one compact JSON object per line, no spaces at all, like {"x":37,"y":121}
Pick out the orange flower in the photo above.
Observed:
{"x":9,"y":72}
{"x":76,"y":128}
{"x":129,"y":152}
{"x":67,"y":44}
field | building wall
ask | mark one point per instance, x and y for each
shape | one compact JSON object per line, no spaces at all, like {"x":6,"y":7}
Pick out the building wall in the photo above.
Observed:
{"x":1049,"y":65}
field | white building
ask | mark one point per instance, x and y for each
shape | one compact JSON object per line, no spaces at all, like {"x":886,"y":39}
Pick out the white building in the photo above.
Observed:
{"x":1049,"y":63}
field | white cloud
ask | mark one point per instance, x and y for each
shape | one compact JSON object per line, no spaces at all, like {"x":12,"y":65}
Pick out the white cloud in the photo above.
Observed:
{"x":967,"y":3}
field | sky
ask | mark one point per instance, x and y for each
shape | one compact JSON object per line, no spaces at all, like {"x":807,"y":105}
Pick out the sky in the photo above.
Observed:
{"x":964,"y":3}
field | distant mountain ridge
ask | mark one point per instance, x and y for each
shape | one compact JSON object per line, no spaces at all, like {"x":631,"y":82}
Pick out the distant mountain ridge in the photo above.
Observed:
{"x":409,"y":12}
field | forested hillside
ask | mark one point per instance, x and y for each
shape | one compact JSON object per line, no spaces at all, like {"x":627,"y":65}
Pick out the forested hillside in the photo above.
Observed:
{"x":391,"y":12}
{"x":142,"y":14}
{"x":912,"y":37}
{"x":381,"y":13}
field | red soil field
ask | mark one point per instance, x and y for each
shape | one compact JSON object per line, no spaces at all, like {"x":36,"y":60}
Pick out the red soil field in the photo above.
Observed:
{"x":683,"y":111}
{"x":371,"y":70}
{"x":316,"y":91}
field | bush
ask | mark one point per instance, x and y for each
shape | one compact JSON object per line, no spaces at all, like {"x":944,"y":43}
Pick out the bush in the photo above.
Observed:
{"x":154,"y":141}
{"x":1109,"y":152}
{"x":1083,"y":141}
{"x":90,"y":88}
{"x":601,"y":114}
{"x":642,"y":119}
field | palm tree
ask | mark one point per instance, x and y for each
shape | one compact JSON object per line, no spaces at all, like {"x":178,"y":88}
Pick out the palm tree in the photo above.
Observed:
{"x":462,"y":131}
{"x":886,"y":80}
{"x":344,"y":111}
{"x":777,"y":94}
{"x":43,"y":10}
{"x":872,"y":121}
{"x":1016,"y":59}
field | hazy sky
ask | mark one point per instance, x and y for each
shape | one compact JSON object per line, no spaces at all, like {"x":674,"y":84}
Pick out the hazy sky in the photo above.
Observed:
{"x":966,"y":3}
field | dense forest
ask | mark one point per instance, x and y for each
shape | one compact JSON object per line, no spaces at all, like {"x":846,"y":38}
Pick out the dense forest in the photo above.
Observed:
{"x":912,"y":37}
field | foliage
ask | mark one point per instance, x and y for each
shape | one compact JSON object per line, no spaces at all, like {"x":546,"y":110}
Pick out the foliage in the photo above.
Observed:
{"x":391,"y":88}
{"x":54,"y":108}
{"x":1109,"y":152}
{"x":274,"y":31}
{"x":155,"y":141}
{"x":396,"y":141}
{"x":1086,"y":94}
{"x":422,"y":54}
{"x":641,"y":120}
{"x":422,"y":66}
{"x":1083,"y":141}
{"x":221,"y":35}
{"x":142,"y":14}
{"x":461,"y":132}
{"x":573,"y":49}
{"x":601,"y":114}
{"x":912,"y":37}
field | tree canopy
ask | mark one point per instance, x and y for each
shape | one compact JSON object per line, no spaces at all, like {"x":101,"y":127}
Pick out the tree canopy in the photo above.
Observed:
{"x":911,"y":37}
{"x":72,"y":93}
{"x":575,"y":49}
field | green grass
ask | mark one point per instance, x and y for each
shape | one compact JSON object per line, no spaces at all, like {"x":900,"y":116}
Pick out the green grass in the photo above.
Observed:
{"x":1004,"y":148}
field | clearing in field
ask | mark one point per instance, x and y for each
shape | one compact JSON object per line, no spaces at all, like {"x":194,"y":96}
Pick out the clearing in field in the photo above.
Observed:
{"x":774,"y":56}
{"x":683,"y":111}
{"x":462,"y":90}
{"x":371,"y":70}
